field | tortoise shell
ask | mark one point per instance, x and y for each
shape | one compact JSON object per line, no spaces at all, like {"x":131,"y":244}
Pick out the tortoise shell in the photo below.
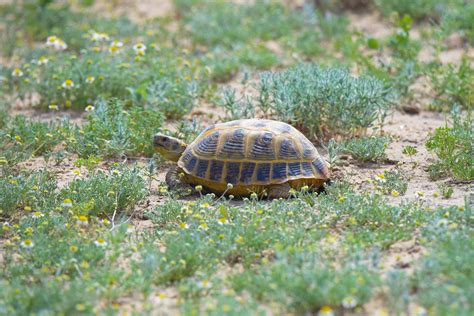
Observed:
{"x":252,"y":152}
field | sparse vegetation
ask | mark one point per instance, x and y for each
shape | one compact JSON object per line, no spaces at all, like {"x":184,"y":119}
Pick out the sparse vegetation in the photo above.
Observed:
{"x":321,"y":100}
{"x":367,"y":148}
{"x":454,"y":86}
{"x":113,"y":130}
{"x":454,"y":148}
{"x":67,"y":81}
{"x":89,"y":226}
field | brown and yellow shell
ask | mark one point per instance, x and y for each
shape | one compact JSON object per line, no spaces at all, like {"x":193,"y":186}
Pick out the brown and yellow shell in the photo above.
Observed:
{"x":251,"y":154}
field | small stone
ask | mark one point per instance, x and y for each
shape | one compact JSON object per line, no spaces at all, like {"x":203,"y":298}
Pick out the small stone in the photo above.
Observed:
{"x":411,"y":109}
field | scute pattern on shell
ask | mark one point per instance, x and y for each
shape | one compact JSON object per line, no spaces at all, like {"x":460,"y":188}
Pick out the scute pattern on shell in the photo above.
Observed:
{"x":250,"y":152}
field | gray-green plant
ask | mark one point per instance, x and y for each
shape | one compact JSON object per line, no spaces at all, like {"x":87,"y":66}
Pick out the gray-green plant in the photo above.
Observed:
{"x":369,"y":148}
{"x":108,"y":194}
{"x":22,"y":138}
{"x":393,"y":182}
{"x":323,"y":101}
{"x":33,"y":190}
{"x":112,"y":130}
{"x":446,"y":190}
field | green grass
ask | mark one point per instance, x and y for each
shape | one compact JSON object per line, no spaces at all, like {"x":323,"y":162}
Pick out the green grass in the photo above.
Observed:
{"x":285,"y":247}
{"x":303,"y":282}
{"x":26,"y":191}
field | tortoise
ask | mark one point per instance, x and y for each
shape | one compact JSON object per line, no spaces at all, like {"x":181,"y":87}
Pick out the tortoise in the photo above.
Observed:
{"x":245,"y":156}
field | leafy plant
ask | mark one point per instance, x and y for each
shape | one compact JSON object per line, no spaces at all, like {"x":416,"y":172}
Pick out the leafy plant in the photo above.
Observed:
{"x":323,"y":101}
{"x":236,"y":108}
{"x":446,"y":190}
{"x":288,"y":279}
{"x":459,"y":18}
{"x":113,"y":130}
{"x":64,"y":80}
{"x":392,"y":182}
{"x":367,"y":148}
{"x":21,"y":138}
{"x":108,"y":194}
{"x":26,"y":192}
{"x":454,"y":148}
{"x":240,"y":23}
{"x":454,"y":86}
{"x":409,"y":150}
{"x":443,"y":276}
{"x":418,"y":9}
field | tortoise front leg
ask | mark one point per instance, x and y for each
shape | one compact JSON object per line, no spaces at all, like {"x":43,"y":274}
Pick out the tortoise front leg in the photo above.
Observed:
{"x":279,"y":191}
{"x":174,"y":180}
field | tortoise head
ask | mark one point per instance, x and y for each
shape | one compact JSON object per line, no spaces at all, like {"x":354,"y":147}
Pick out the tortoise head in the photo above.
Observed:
{"x":169,"y":147}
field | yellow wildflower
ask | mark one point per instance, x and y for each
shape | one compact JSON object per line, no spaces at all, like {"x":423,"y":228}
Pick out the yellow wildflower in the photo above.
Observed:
{"x":37,"y":215}
{"x":17,"y":72}
{"x":222,"y":221}
{"x":43,"y":60}
{"x":326,"y":311}
{"x":100,"y":243}
{"x":139,"y":49}
{"x":204,"y":284}
{"x":67,"y":203}
{"x":82,"y":220}
{"x":184,"y":225}
{"x":27,"y":243}
{"x":68,"y":84}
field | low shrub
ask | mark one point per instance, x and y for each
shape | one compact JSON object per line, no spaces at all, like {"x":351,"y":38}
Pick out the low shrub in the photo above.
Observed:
{"x":114,"y":130}
{"x":108,"y":194}
{"x":454,"y":148}
{"x":321,"y":101}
